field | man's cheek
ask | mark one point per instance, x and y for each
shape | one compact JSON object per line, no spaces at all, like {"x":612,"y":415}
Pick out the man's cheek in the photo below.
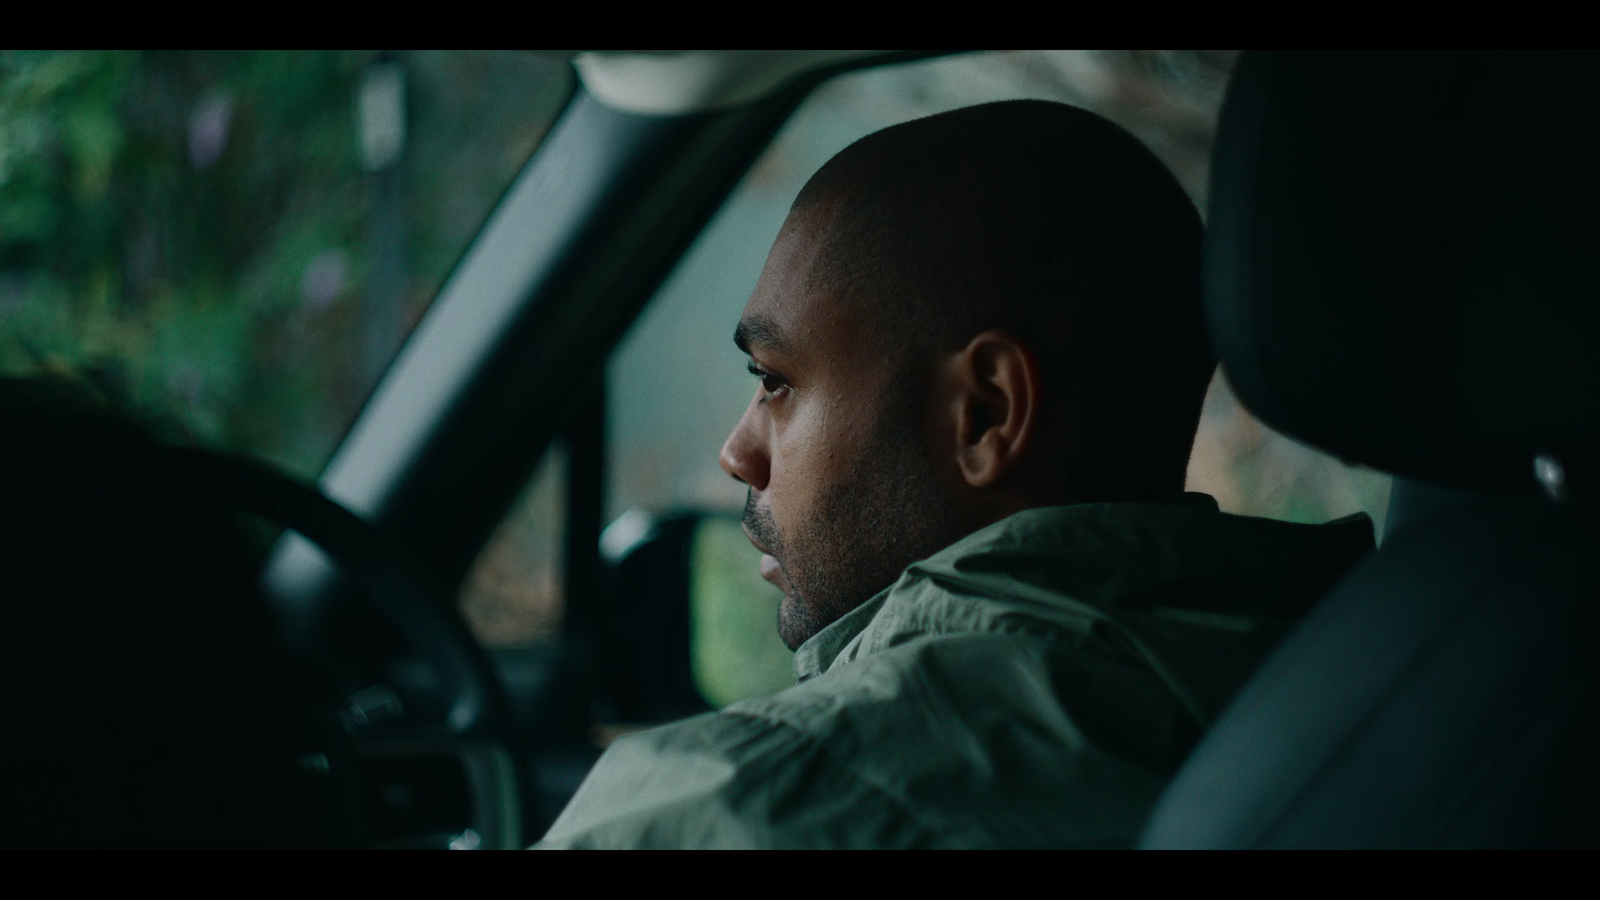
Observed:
{"x":797,"y":472}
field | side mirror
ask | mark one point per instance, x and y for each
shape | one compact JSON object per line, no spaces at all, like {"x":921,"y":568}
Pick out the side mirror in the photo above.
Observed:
{"x":690,"y":625}
{"x":644,"y":657}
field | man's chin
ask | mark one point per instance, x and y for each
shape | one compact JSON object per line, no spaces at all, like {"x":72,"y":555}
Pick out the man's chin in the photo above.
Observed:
{"x":795,"y":624}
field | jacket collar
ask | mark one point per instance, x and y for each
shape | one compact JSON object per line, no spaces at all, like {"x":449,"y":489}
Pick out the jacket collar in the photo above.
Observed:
{"x":1064,"y":568}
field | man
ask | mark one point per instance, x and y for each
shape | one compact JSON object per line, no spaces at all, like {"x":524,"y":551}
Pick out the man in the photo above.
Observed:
{"x":982,"y":364}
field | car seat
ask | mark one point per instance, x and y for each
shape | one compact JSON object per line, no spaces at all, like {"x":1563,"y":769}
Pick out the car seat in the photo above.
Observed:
{"x":1399,"y":271}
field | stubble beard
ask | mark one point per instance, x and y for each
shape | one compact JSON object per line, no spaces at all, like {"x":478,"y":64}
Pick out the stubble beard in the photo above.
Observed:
{"x":885,"y":513}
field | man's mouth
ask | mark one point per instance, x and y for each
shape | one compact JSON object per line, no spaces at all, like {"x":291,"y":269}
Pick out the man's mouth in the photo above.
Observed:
{"x":771,"y":569}
{"x":745,"y":526}
{"x":773,"y":573}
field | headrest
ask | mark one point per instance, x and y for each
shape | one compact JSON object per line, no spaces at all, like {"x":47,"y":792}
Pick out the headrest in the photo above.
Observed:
{"x":1403,"y":259}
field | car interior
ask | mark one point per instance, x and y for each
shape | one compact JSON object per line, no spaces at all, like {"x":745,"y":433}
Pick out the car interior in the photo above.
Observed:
{"x":1392,"y":282}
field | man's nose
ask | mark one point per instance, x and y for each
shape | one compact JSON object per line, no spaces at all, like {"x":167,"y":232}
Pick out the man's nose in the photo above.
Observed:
{"x":744,"y":453}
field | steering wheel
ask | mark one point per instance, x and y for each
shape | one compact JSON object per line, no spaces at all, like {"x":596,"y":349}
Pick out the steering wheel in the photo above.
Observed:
{"x":478,"y":704}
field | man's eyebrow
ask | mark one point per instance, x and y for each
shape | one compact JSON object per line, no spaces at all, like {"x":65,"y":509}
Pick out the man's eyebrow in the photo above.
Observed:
{"x":758,"y":331}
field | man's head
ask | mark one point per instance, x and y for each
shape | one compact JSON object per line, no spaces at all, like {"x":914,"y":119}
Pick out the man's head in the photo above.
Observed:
{"x":963,"y":317}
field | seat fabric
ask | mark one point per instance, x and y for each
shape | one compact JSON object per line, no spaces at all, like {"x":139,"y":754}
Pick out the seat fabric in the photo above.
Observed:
{"x":1433,"y":699}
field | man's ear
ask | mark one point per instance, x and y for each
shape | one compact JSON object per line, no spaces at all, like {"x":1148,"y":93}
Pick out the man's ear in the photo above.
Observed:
{"x":995,"y":403}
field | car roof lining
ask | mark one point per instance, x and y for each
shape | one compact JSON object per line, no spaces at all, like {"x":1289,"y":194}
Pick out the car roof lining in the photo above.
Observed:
{"x":680,"y":82}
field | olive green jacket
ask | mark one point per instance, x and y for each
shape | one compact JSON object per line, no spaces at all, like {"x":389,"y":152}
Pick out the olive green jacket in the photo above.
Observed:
{"x":1032,"y":685}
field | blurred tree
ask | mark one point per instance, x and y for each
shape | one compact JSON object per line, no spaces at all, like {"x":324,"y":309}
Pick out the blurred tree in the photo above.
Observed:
{"x":191,"y":229}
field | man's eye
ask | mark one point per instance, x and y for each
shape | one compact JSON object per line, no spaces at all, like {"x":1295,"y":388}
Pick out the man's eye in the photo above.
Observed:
{"x":770,"y":383}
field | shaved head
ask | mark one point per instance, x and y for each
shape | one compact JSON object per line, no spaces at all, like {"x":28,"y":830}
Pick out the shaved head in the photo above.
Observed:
{"x":1056,"y":225}
{"x":964,"y":316}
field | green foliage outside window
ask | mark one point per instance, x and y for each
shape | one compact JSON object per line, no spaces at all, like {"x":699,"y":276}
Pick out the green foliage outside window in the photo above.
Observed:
{"x":196,"y":231}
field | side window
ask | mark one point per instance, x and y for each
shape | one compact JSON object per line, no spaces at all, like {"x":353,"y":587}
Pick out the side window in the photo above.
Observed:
{"x":1255,"y":471}
{"x":514,"y":595}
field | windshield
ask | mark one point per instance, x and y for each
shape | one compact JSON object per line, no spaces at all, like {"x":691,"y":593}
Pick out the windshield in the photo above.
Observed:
{"x":238,"y":242}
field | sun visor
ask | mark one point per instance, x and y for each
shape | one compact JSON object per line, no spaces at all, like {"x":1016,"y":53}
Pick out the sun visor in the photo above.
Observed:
{"x":1401,"y":259}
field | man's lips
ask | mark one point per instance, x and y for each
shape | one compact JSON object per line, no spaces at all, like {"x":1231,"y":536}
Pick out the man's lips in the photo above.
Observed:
{"x":752,"y":539}
{"x":772,"y":572}
{"x":771,"y":569}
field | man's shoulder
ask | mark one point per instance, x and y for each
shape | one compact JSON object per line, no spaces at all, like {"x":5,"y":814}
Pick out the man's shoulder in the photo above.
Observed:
{"x":1033,"y":686}
{"x":998,"y":731}
{"x":729,"y":779}
{"x":948,"y":740}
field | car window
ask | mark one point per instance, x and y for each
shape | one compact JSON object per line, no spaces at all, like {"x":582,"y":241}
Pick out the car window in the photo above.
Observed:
{"x":240,"y":241}
{"x":514,"y":594}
